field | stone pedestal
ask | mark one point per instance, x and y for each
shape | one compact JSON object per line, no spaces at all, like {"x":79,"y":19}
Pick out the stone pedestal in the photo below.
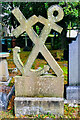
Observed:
{"x":31,"y":106}
{"x":42,"y":86}
{"x":4,"y":75}
{"x":39,"y":95}
{"x":73,"y":93}
{"x":73,"y":90}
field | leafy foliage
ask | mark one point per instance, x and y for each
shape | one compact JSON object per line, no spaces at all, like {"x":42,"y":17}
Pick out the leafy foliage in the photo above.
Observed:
{"x":69,"y":112}
{"x":70,"y":20}
{"x":71,"y":10}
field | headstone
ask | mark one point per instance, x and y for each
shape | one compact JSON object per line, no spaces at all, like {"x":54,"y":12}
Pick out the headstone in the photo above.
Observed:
{"x":4,"y":74}
{"x":35,"y":91}
{"x":73,"y":90}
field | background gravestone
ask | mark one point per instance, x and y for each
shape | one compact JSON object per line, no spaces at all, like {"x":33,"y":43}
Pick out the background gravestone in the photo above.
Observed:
{"x":73,"y":90}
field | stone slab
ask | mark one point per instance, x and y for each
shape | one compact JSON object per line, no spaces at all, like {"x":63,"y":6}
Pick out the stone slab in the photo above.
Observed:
{"x":73,"y":93}
{"x":30,"y":105}
{"x":42,"y":86}
{"x":74,"y":62}
{"x":71,"y":101}
{"x":78,"y":37}
{"x":4,"y":74}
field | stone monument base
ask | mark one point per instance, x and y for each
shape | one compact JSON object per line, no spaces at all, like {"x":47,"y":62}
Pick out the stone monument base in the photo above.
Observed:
{"x":73,"y":93}
{"x":41,"y":86}
{"x":31,"y":106}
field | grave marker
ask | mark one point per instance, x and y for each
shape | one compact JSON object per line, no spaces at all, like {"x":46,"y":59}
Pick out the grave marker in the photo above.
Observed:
{"x":4,"y":74}
{"x":73,"y":90}
{"x":31,"y":85}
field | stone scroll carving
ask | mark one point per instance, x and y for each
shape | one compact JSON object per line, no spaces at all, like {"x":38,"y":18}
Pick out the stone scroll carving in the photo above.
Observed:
{"x":39,"y":41}
{"x":17,"y":59}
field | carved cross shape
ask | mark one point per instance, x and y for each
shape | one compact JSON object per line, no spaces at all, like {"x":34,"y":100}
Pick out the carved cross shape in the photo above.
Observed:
{"x":26,"y":25}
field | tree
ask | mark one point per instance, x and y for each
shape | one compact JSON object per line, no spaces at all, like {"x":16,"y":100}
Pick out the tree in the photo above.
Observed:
{"x":71,"y":17}
{"x":71,"y":10}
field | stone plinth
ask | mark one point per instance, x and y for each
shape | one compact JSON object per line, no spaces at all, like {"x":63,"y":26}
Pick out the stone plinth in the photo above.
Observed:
{"x":73,"y":93}
{"x":4,"y":75}
{"x":39,"y":95}
{"x":29,"y":105}
{"x":39,"y":86}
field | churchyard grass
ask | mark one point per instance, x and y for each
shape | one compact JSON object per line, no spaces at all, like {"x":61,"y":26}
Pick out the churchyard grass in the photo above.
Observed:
{"x":69,"y":112}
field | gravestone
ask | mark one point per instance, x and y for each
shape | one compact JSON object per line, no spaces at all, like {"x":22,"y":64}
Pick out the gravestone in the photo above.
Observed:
{"x":73,"y":90}
{"x":36,"y":92}
{"x":4,"y":74}
{"x":4,"y":79}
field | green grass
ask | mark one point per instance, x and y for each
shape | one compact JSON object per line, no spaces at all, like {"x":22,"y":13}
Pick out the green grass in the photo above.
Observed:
{"x":69,"y":112}
{"x":65,"y":70}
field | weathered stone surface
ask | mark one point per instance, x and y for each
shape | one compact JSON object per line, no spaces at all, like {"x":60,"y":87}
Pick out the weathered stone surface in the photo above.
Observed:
{"x":74,"y":62}
{"x":57,"y":18}
{"x":29,"y":105}
{"x":39,"y":86}
{"x":51,"y":10}
{"x":4,"y":75}
{"x":39,"y":41}
{"x":73,"y":93}
{"x":32,"y":83}
{"x":16,"y":59}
